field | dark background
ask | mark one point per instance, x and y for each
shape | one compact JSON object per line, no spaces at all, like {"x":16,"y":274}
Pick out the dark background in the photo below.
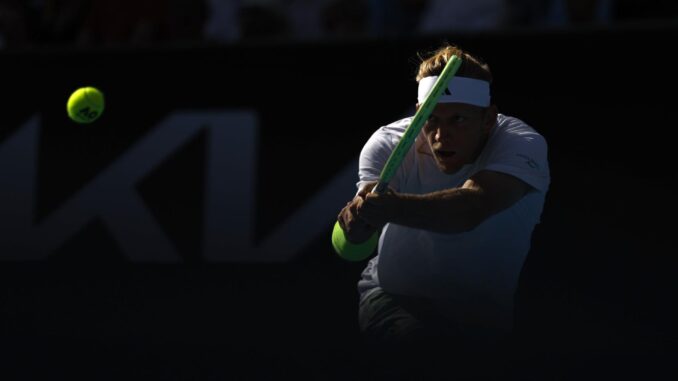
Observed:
{"x":597,"y":294}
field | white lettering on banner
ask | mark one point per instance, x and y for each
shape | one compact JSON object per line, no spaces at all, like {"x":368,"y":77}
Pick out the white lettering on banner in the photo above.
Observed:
{"x":229,"y":202}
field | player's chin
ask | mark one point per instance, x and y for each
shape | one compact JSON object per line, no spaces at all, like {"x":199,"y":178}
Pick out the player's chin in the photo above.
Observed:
{"x":449,"y":166}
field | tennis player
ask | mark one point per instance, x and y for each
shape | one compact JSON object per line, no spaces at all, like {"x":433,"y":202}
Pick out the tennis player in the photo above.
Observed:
{"x":456,"y":223}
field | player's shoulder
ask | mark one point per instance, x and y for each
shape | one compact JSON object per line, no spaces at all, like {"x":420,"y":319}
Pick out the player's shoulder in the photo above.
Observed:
{"x":512,"y":126}
{"x":392,"y":132}
{"x":512,"y":129}
{"x":396,"y":128}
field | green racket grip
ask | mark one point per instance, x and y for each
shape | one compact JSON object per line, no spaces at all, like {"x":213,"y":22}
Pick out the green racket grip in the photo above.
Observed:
{"x":353,"y":252}
{"x":420,"y":117}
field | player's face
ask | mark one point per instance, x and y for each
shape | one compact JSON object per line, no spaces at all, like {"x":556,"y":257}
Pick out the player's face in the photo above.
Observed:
{"x":456,"y":133}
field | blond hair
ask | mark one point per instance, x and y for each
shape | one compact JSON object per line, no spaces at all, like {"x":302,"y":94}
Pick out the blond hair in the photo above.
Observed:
{"x":471,"y":66}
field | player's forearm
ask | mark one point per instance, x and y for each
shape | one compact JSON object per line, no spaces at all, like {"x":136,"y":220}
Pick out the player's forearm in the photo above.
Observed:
{"x":449,"y":211}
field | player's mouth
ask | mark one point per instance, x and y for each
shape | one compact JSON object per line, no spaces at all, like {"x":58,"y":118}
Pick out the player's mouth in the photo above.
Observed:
{"x":445,"y":154}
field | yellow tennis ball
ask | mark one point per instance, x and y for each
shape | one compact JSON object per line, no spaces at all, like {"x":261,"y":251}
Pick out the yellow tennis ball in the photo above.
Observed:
{"x":85,"y":105}
{"x":352,"y":251}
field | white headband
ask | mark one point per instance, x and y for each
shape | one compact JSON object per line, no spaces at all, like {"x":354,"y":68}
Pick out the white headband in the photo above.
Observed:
{"x":459,"y":90}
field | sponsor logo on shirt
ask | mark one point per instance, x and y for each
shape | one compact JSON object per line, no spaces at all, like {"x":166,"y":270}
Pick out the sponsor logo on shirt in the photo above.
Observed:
{"x":529,"y":161}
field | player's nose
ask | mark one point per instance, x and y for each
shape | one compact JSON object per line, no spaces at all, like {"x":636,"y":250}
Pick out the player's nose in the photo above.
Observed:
{"x":443,"y":134}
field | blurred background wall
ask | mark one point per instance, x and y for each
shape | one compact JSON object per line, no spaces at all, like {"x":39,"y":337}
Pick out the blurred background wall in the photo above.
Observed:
{"x":185,"y":234}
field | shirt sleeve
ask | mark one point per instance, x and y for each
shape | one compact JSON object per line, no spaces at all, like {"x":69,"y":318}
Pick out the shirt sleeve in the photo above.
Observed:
{"x":522,"y":154}
{"x":374,"y":156}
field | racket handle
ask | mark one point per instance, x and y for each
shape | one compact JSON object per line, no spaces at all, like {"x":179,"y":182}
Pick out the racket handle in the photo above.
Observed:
{"x":380,"y":187}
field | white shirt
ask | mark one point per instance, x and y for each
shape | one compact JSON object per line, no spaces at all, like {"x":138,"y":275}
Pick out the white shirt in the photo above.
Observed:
{"x":483,"y":264}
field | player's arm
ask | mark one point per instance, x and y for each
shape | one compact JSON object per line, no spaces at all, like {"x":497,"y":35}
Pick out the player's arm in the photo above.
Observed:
{"x":452,"y":210}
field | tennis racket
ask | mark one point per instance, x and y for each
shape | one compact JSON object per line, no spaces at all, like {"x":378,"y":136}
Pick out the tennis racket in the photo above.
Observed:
{"x":416,"y":124}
